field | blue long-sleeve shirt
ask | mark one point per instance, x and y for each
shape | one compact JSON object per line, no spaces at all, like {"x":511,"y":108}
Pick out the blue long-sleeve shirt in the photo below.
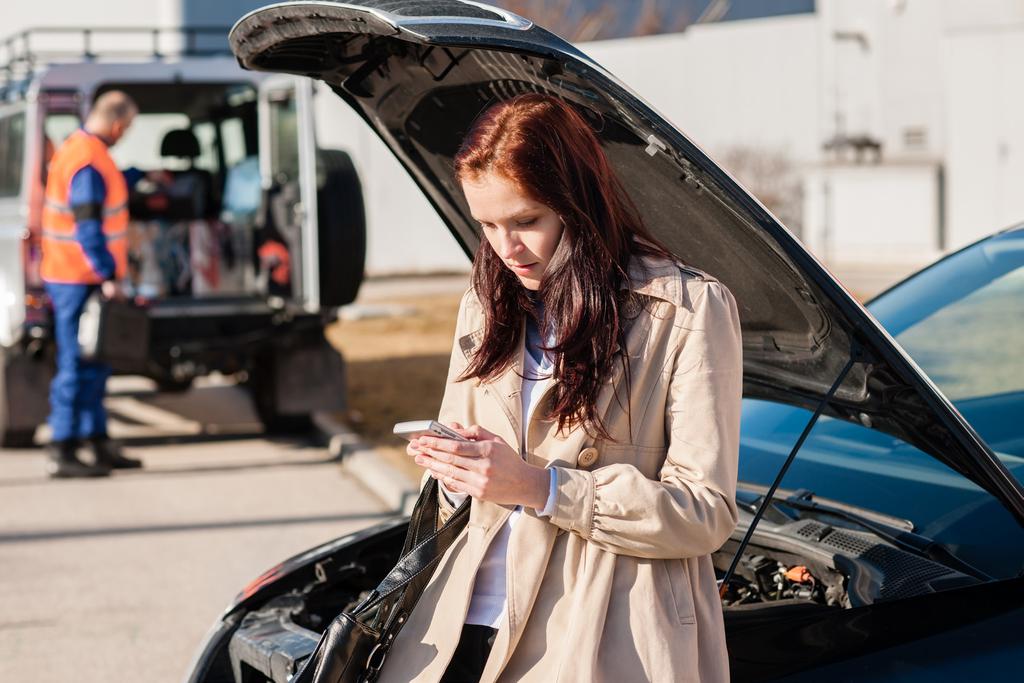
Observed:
{"x":88,"y":192}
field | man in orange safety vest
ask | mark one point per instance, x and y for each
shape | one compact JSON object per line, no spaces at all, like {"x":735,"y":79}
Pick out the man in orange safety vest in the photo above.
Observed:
{"x":85,"y":248}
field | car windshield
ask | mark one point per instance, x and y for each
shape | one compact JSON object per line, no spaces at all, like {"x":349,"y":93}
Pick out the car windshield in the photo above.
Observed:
{"x":962,"y":320}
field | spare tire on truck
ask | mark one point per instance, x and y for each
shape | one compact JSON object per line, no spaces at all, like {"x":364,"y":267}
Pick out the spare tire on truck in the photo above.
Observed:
{"x":341,"y":219}
{"x":302,"y":373}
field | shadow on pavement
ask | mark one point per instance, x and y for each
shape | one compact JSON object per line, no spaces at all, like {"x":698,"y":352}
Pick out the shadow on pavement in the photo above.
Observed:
{"x":295,"y":443}
{"x":66,"y":534}
{"x":142,"y":441}
{"x":211,"y":469}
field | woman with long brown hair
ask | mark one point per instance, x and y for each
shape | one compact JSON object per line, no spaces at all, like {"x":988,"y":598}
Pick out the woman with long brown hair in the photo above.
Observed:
{"x":599,"y":383}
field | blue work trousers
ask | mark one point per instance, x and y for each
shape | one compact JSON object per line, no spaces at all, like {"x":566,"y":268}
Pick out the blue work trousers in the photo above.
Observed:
{"x":77,"y":390}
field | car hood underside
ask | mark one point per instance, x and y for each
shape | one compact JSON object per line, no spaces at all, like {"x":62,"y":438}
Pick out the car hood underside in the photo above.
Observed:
{"x":420,"y":72}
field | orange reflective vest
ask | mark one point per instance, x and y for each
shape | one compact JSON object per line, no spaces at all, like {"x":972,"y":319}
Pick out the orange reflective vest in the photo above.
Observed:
{"x":64,"y":260}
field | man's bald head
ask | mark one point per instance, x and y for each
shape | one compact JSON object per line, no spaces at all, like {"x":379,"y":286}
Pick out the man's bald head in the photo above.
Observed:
{"x":111,"y":115}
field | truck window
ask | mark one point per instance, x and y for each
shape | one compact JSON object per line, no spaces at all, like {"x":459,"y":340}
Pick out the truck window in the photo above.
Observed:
{"x":232,"y":132}
{"x":59,"y":126}
{"x":284,"y":150}
{"x":140,"y":146}
{"x":56,"y":129}
{"x":12,"y":153}
{"x":206,"y":134}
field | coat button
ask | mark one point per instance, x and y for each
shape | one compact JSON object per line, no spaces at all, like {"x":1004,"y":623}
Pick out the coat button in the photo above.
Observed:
{"x":587,"y":457}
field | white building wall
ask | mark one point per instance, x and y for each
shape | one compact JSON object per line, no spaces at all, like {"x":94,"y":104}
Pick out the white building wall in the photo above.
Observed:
{"x":976,"y":14}
{"x":19,"y":16}
{"x":872,"y":214}
{"x":938,"y":84}
{"x":849,"y":65}
{"x":911,"y":67}
{"x":737,"y":84}
{"x":882,"y":80}
{"x":985,"y":109}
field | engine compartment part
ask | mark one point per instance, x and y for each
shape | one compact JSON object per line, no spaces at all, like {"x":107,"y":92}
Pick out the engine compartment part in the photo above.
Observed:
{"x":771,"y":580}
{"x":270,"y":644}
{"x":813,"y":561}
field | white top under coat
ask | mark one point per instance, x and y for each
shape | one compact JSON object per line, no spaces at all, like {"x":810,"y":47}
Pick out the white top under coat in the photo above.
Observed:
{"x":488,"y":602}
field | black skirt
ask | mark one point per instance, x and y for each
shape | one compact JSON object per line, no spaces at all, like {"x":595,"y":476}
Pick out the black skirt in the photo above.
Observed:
{"x":470,"y":655}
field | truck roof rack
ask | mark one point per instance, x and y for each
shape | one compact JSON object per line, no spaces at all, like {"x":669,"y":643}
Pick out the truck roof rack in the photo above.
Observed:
{"x":24,"y":52}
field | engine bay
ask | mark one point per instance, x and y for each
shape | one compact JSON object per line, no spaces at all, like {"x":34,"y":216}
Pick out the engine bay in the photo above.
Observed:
{"x":764,"y":579}
{"x":803,"y":565}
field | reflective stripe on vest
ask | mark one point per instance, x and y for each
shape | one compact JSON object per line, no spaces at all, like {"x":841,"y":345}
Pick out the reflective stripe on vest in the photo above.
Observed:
{"x":61,"y":237}
{"x":64,"y":208}
{"x":64,"y":260}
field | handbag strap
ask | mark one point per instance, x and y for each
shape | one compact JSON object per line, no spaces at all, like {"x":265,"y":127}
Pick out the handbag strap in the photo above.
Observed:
{"x":423,"y":520}
{"x":410,"y":576}
{"x":422,"y":557}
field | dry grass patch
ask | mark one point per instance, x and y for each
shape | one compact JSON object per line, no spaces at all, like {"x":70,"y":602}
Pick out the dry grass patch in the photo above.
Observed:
{"x":397,"y":368}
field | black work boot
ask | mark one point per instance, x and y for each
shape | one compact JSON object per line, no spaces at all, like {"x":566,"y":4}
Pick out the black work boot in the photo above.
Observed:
{"x":64,"y":462}
{"x":109,"y":453}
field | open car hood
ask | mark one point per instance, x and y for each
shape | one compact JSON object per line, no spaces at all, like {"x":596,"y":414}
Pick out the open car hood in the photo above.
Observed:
{"x":419,"y":72}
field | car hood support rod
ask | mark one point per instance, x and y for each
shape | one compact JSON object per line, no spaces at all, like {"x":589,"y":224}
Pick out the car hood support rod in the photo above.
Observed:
{"x":854,"y":358}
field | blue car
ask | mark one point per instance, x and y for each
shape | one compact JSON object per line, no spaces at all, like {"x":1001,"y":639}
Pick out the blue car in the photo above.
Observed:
{"x":881,"y":531}
{"x":962,"y":321}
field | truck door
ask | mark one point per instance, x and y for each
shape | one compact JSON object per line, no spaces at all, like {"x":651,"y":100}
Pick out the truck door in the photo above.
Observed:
{"x":12,"y":220}
{"x":288,"y":173}
{"x":24,"y":375}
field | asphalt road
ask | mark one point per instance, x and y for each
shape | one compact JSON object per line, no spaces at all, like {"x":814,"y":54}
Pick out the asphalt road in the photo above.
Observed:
{"x":118,"y":579}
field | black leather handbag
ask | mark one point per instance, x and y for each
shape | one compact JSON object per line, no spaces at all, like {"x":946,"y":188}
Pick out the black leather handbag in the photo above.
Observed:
{"x":356,"y":643}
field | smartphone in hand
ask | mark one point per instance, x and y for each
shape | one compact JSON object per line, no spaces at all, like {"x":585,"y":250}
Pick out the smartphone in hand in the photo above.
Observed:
{"x":417,"y":428}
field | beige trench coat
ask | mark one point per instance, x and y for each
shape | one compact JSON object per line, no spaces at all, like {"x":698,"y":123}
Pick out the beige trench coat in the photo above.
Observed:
{"x":618,"y":585}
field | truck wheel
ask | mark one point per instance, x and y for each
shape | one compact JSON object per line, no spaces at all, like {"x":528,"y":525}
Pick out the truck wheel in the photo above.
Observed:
{"x":286,"y":424}
{"x":17,"y":438}
{"x":264,"y":392}
{"x":173,"y":386}
{"x":291,"y":381}
{"x":341,"y":221}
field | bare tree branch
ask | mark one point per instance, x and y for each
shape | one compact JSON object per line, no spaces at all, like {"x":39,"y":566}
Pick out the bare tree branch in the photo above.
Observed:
{"x":772,"y":178}
{"x":650,"y":19}
{"x":596,"y":24}
{"x":572,"y":23}
{"x":575,"y":22}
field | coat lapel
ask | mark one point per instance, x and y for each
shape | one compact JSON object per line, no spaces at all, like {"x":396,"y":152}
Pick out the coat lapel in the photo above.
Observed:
{"x":504,"y":391}
{"x":501,"y":412}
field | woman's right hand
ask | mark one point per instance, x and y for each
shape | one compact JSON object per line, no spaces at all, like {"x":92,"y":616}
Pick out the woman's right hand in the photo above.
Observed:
{"x":485,"y":467}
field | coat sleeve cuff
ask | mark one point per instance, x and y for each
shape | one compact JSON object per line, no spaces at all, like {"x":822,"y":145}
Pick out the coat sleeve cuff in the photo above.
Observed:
{"x":574,"y":505}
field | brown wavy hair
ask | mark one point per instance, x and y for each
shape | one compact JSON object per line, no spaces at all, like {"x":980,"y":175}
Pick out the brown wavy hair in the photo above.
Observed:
{"x":548,"y":150}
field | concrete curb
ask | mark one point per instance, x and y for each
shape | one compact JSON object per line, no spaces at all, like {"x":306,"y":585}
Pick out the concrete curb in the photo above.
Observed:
{"x":364,"y":464}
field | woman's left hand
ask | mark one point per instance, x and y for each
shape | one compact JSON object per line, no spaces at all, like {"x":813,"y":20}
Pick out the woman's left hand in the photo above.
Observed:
{"x":486,"y":468}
